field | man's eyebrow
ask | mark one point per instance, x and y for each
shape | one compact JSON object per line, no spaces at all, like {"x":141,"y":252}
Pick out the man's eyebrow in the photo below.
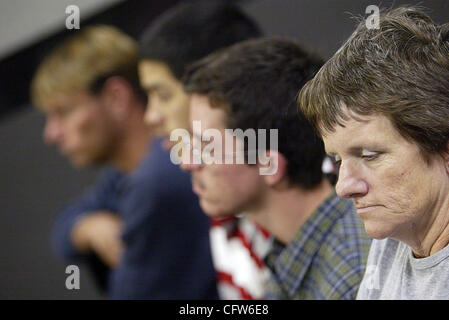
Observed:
{"x":60,"y":108}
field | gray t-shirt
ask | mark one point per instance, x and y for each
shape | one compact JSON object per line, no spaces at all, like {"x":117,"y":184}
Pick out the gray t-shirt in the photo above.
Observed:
{"x":393,"y":273}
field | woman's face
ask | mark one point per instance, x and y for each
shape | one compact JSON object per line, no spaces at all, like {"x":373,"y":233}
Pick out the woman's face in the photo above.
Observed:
{"x":396,"y":192}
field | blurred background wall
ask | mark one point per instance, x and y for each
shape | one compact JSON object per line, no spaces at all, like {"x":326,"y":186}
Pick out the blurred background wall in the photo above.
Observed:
{"x":35,"y":180}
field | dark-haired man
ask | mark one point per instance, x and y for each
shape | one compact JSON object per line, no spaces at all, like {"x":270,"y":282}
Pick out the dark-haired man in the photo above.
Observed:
{"x":320,"y":246}
{"x":180,"y":36}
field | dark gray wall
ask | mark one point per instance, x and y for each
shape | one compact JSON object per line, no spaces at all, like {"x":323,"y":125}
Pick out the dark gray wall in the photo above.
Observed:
{"x":323,"y":25}
{"x":35,"y":180}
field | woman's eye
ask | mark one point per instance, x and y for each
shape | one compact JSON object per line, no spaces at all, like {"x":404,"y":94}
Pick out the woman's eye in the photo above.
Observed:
{"x":369,"y":155}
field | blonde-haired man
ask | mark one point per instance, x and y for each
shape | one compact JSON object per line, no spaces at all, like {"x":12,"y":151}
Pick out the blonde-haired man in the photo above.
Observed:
{"x":141,"y":220}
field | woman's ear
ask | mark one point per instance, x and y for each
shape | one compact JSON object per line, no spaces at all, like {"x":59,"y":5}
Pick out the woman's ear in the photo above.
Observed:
{"x":273,"y":167}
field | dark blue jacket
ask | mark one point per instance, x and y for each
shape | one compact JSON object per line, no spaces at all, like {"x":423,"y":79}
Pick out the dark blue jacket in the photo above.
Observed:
{"x":166,"y":234}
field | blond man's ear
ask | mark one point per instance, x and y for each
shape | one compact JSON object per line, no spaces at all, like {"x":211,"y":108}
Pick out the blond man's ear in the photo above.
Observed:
{"x":118,"y":95}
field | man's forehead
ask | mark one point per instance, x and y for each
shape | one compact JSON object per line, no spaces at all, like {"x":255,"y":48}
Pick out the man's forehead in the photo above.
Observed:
{"x":61,"y":100}
{"x":208,"y":116}
{"x":154,"y":72}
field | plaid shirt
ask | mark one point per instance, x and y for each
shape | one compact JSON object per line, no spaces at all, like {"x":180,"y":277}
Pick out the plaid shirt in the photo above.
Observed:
{"x":325,"y":260}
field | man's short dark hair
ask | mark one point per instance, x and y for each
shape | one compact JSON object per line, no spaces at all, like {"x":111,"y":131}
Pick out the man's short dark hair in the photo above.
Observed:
{"x":256,"y":82}
{"x":192,"y":30}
